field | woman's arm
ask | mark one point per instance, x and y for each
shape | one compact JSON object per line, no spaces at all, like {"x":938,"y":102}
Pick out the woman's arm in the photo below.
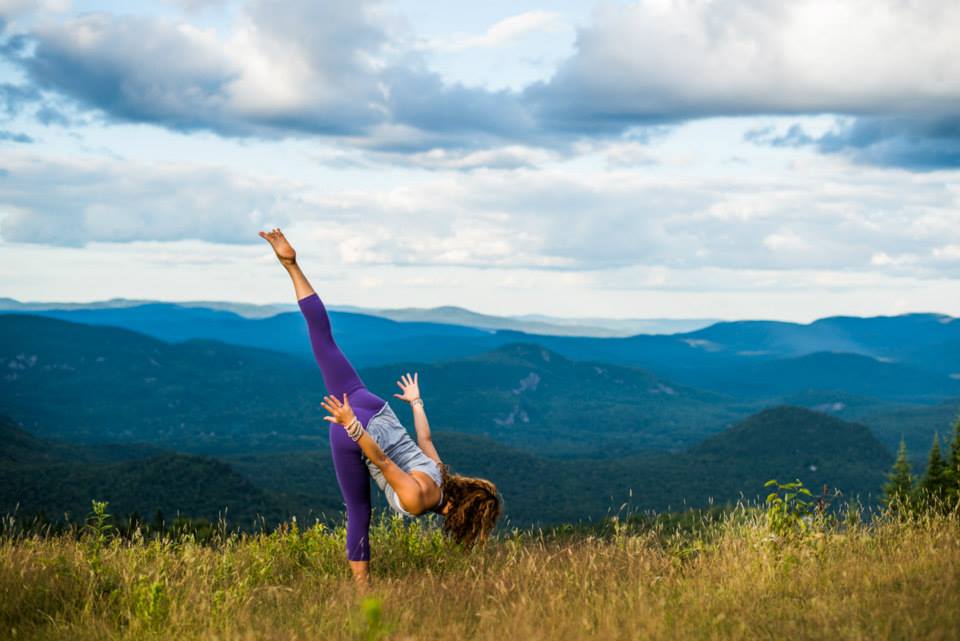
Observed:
{"x":414,"y":497}
{"x":411,"y":393}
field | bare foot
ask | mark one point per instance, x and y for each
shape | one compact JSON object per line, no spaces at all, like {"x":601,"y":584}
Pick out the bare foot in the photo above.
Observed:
{"x":281,"y":247}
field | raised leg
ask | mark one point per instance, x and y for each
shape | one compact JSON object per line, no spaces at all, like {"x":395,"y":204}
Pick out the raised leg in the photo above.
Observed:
{"x":339,"y":377}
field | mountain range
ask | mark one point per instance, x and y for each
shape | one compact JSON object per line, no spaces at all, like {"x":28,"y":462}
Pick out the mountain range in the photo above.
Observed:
{"x":115,"y":399}
{"x":448,"y":315}
{"x":207,"y":396}
{"x":53,"y":478}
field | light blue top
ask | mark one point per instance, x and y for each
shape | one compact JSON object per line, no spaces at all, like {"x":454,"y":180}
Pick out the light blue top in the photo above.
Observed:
{"x":387,"y":430}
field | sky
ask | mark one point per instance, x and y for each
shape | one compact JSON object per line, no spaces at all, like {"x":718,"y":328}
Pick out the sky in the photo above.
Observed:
{"x":654,"y":159}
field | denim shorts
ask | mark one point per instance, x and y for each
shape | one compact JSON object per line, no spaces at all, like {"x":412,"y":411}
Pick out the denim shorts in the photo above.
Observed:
{"x":387,"y":430}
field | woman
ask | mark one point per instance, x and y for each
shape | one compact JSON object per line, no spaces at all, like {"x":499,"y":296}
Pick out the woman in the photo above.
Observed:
{"x":367,"y":439}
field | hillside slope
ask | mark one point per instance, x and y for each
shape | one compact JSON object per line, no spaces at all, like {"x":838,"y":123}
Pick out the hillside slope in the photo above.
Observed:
{"x":784,"y":443}
{"x":921,"y":341}
{"x":111,"y":384}
{"x":39,"y":475}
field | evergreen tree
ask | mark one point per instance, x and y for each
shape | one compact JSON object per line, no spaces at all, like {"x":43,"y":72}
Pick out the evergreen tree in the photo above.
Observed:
{"x":898,"y":490}
{"x":953,"y":467}
{"x":933,"y":487}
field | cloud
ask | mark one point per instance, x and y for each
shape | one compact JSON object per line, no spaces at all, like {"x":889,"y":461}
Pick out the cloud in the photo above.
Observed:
{"x":196,"y":5}
{"x":659,"y":61}
{"x":508,"y":157}
{"x":832,"y":217}
{"x":13,"y":98}
{"x":10,"y":9}
{"x":918,"y":143}
{"x":311,"y":68}
{"x":13,"y":136}
{"x":828,"y":219}
{"x":347,"y":70}
{"x":503,"y":31}
{"x":72,"y":203}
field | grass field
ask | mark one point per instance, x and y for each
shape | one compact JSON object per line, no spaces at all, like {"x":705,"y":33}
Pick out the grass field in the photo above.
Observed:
{"x":730,"y":577}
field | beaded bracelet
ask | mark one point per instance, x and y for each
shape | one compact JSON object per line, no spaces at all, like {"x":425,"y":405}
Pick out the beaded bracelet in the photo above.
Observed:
{"x":354,"y":429}
{"x":416,"y":401}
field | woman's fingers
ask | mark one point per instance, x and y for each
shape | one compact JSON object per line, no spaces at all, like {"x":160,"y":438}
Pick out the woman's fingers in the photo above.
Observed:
{"x":330,"y":418}
{"x":333,"y":400}
{"x":416,"y":377}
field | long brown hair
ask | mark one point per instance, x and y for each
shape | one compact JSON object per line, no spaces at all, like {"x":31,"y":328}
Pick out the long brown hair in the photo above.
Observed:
{"x":474,"y":507}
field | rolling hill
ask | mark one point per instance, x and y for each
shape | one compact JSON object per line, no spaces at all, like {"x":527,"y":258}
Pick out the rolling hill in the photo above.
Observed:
{"x":920,"y":342}
{"x":52,"y":477}
{"x":447,"y":314}
{"x":784,"y":443}
{"x":96,"y":383}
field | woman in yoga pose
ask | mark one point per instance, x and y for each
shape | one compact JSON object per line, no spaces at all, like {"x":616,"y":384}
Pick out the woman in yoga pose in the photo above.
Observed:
{"x":367,"y":439}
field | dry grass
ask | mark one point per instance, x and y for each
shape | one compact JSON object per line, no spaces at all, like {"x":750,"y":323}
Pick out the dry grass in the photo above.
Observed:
{"x":893,"y":579}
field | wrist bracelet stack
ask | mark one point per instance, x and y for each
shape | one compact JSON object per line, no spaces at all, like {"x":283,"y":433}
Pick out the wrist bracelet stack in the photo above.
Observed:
{"x":416,"y":401}
{"x":354,"y":429}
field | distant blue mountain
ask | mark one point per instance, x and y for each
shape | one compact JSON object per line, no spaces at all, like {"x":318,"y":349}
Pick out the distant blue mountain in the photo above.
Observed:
{"x":853,"y":373}
{"x":909,"y":357}
{"x":444,"y":315}
{"x":881,"y":336}
{"x":363,"y":335}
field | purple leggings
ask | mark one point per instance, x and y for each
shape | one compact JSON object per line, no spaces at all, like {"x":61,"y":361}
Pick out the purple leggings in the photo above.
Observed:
{"x":340,"y":378}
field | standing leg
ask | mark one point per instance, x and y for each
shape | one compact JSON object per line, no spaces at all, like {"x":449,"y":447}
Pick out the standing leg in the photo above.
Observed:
{"x":354,"y":480}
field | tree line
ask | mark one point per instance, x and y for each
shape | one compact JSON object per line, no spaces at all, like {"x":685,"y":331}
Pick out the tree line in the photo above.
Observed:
{"x":939,"y":487}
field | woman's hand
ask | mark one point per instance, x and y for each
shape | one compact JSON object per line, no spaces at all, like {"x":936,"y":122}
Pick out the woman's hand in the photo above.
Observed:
{"x":410,"y":386}
{"x":340,"y":412}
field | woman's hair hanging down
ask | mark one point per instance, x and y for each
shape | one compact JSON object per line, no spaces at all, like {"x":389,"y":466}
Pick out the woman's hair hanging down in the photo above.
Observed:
{"x":474,"y":507}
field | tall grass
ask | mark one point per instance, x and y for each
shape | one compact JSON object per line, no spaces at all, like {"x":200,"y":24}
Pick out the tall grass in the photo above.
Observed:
{"x":727,"y":576}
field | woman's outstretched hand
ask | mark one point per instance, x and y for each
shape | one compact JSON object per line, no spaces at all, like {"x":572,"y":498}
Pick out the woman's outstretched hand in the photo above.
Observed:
{"x":410,"y":386}
{"x":340,"y":412}
{"x":281,"y":246}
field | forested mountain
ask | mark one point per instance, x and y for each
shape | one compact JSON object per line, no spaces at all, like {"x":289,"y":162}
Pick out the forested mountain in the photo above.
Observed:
{"x":924,"y":342}
{"x":446,"y":314}
{"x":784,"y":443}
{"x":90,"y":383}
{"x":363,"y":336}
{"x":59,"y":480}
{"x":106,"y":384}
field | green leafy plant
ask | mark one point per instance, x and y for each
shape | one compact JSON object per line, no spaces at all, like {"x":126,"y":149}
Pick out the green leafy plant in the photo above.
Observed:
{"x":790,"y":509}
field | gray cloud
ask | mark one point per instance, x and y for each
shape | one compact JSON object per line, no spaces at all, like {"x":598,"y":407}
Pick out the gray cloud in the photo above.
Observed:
{"x":14,"y":98}
{"x":832,"y":217}
{"x":917,"y":143}
{"x":63,"y":203}
{"x":314,"y":68}
{"x":13,"y":136}
{"x":340,"y":69}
